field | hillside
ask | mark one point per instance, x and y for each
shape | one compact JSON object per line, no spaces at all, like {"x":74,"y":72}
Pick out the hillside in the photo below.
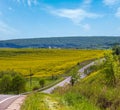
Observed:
{"x":100,"y":90}
{"x":62,"y":42}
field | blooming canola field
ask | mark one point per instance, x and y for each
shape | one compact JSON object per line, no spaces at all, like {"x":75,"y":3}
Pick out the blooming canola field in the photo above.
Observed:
{"x":44,"y":62}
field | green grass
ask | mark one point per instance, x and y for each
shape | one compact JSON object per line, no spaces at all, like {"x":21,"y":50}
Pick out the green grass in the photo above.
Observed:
{"x":98,"y":92}
{"x":35,"y":82}
{"x":39,"y":101}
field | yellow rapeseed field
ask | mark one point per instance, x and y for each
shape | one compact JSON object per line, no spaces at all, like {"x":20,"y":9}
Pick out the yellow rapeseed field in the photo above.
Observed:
{"x":44,"y":62}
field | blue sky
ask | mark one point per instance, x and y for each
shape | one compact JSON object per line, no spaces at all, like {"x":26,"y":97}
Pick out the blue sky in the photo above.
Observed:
{"x":58,"y":18}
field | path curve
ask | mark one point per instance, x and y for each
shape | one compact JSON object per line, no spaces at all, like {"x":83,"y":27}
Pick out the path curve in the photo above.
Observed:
{"x":68,"y":79}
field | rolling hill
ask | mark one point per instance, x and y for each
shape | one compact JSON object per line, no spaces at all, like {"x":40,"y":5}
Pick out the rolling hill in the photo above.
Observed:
{"x":62,"y":42}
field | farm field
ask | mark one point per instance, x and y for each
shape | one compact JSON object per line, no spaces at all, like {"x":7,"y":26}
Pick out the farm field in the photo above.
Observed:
{"x":44,"y":62}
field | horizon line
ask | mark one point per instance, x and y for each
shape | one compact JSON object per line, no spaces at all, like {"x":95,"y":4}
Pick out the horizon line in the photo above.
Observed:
{"x":55,"y":37}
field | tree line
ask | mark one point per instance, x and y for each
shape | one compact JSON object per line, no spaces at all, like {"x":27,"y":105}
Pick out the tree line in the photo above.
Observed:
{"x":12,"y":82}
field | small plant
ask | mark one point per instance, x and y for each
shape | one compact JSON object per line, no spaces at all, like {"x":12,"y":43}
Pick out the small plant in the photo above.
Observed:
{"x":35,"y":88}
{"x":54,"y":77}
{"x":42,"y":82}
{"x":73,"y":80}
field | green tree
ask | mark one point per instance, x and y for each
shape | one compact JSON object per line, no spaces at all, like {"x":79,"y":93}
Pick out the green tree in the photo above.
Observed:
{"x":42,"y":83}
{"x":116,"y":50}
{"x":5,"y":83}
{"x":18,"y":83}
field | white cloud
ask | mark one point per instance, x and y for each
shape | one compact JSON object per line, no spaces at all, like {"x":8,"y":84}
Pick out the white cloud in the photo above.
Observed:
{"x":75,"y":15}
{"x":28,"y":2}
{"x":32,"y":2}
{"x":117,"y":14}
{"x":110,"y":2}
{"x":6,"y":29}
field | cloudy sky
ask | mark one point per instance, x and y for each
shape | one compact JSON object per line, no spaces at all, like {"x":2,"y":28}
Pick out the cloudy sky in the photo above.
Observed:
{"x":53,"y":18}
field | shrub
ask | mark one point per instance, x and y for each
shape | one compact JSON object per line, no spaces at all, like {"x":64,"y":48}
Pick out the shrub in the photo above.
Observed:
{"x":5,"y":83}
{"x":35,"y":88}
{"x":42,"y":82}
{"x":18,"y":84}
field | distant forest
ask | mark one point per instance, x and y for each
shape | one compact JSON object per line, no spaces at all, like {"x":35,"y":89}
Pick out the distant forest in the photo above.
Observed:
{"x":63,"y":42}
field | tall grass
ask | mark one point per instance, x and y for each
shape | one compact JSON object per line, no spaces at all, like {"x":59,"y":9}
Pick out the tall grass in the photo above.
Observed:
{"x":69,"y":101}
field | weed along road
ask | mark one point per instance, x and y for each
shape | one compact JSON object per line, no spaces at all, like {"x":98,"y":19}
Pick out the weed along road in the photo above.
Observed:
{"x":11,"y":102}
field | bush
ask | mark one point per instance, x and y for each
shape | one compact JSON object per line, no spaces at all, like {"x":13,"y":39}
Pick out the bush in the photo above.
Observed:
{"x":5,"y":83}
{"x":42,"y":82}
{"x":35,"y":88}
{"x":11,"y":82}
{"x":18,"y":84}
{"x":116,"y":50}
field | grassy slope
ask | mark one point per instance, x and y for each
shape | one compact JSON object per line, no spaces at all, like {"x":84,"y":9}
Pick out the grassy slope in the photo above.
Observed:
{"x":98,"y":92}
{"x":97,"y":89}
{"x":91,"y":93}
